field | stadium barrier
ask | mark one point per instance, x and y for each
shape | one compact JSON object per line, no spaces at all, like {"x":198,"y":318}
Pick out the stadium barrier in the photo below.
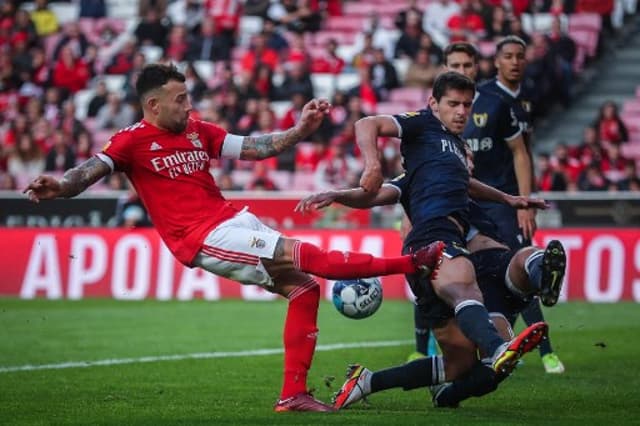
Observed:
{"x":77,"y":263}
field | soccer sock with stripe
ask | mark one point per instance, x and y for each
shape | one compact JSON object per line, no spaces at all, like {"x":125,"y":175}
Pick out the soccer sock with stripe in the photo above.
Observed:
{"x":533,"y":268}
{"x":345,"y":264}
{"x":415,"y":374}
{"x":474,"y":322}
{"x":300,"y":336}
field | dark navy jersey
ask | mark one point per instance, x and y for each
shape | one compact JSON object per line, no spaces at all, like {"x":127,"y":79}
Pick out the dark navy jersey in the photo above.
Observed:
{"x":436,"y":168}
{"x":493,"y":122}
{"x":520,"y":103}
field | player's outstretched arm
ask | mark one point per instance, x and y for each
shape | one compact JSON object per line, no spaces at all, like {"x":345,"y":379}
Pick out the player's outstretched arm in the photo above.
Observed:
{"x":73,"y":182}
{"x":367,"y":131}
{"x":483,"y":191}
{"x":269,"y":145}
{"x":356,"y":198}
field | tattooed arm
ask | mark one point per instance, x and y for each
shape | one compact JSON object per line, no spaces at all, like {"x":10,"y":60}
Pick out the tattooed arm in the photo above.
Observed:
{"x":265,"y":146}
{"x":73,"y":182}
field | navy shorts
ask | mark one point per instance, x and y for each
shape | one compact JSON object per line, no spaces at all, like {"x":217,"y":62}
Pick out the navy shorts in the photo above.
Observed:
{"x":506,"y":219}
{"x":491,"y":266}
{"x":433,"y":309}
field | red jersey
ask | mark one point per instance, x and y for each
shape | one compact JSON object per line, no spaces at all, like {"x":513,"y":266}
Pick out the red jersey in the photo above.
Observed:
{"x":170,"y":172}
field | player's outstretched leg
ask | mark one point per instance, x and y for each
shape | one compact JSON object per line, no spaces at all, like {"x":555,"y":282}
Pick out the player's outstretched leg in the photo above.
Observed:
{"x":300,"y":335}
{"x":506,"y":357}
{"x":361,"y":381}
{"x":338,"y":265}
{"x":554,"y":262}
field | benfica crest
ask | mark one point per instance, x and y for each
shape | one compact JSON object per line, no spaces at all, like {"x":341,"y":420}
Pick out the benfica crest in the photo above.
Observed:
{"x":480,"y":120}
{"x":194,"y":138}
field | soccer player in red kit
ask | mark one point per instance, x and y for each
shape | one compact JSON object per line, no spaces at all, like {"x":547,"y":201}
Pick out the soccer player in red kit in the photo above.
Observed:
{"x":166,"y":157}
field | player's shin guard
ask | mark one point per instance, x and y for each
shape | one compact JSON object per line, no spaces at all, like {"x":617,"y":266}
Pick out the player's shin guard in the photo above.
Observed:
{"x":346,"y":265}
{"x":300,"y":335}
{"x":474,"y":322}
{"x":481,"y":380}
{"x":415,"y":374}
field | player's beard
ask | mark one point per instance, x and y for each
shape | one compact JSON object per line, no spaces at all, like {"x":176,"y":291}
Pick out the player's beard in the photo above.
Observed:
{"x":179,"y":126}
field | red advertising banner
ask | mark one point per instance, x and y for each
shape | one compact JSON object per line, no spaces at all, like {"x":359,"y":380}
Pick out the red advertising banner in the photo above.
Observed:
{"x":603,"y":265}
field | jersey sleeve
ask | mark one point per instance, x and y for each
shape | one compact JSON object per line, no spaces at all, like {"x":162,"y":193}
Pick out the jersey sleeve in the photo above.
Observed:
{"x":410,"y":124}
{"x":399,"y":182}
{"x":213,"y":137}
{"x":117,"y":152}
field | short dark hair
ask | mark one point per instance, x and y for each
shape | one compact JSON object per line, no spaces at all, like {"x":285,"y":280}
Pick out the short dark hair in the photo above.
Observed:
{"x":451,"y":80}
{"x":462,"y":47}
{"x":154,"y":76}
{"x":510,"y":39}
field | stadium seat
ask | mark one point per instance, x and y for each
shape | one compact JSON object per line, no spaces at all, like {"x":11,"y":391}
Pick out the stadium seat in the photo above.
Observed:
{"x":585,"y":21}
{"x":357,"y":8}
{"x":392,"y":108}
{"x":324,"y":85}
{"x":249,"y":26}
{"x":65,"y":12}
{"x":632,"y":106}
{"x":206,"y":69}
{"x":342,"y":37}
{"x":345,"y":23}
{"x":114,"y":83}
{"x":587,"y":40}
{"x":151,"y":53}
{"x":81,"y":101}
{"x":631,"y":150}
{"x":414,"y":97}
{"x":346,"y":81}
{"x":487,"y":48}
{"x":401,"y":65}
{"x":303,"y":181}
{"x":541,"y":22}
{"x":280,"y":108}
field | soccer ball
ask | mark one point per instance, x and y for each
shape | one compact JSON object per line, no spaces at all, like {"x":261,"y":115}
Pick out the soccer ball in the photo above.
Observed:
{"x":358,"y":298}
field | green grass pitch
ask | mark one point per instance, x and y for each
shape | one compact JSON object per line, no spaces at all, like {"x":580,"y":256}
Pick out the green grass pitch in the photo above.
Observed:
{"x":599,"y":344}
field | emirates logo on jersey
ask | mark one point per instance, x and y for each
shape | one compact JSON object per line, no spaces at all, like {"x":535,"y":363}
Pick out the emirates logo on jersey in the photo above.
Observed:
{"x":194,"y":137}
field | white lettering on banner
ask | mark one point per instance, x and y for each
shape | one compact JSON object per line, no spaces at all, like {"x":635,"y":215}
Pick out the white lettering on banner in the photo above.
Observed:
{"x":256,"y":293}
{"x":635,"y":284}
{"x":43,"y":269}
{"x":166,"y":262}
{"x":81,"y":274}
{"x":593,"y":270}
{"x":570,"y":243}
{"x":129,"y":246}
{"x":198,"y":280}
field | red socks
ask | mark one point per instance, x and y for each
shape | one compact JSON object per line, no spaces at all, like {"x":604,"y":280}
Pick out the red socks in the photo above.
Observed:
{"x":300,"y":335}
{"x":337,"y":265}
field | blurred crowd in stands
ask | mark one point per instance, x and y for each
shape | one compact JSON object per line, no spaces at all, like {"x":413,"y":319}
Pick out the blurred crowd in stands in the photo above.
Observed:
{"x":65,"y":87}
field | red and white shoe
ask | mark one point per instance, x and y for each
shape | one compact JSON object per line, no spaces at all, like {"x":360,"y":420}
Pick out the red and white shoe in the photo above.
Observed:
{"x":427,"y":259}
{"x":354,"y":388}
{"x":302,"y":402}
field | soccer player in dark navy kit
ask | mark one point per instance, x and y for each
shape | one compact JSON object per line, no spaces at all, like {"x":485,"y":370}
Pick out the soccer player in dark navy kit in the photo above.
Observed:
{"x":498,"y":133}
{"x":437,"y":203}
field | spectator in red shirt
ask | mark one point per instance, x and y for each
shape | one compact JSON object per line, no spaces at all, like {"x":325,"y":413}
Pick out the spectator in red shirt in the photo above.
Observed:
{"x":69,"y":72}
{"x":329,"y":62}
{"x":177,"y":45}
{"x":467,"y":25}
{"x":259,"y":52}
{"x":610,"y":126}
